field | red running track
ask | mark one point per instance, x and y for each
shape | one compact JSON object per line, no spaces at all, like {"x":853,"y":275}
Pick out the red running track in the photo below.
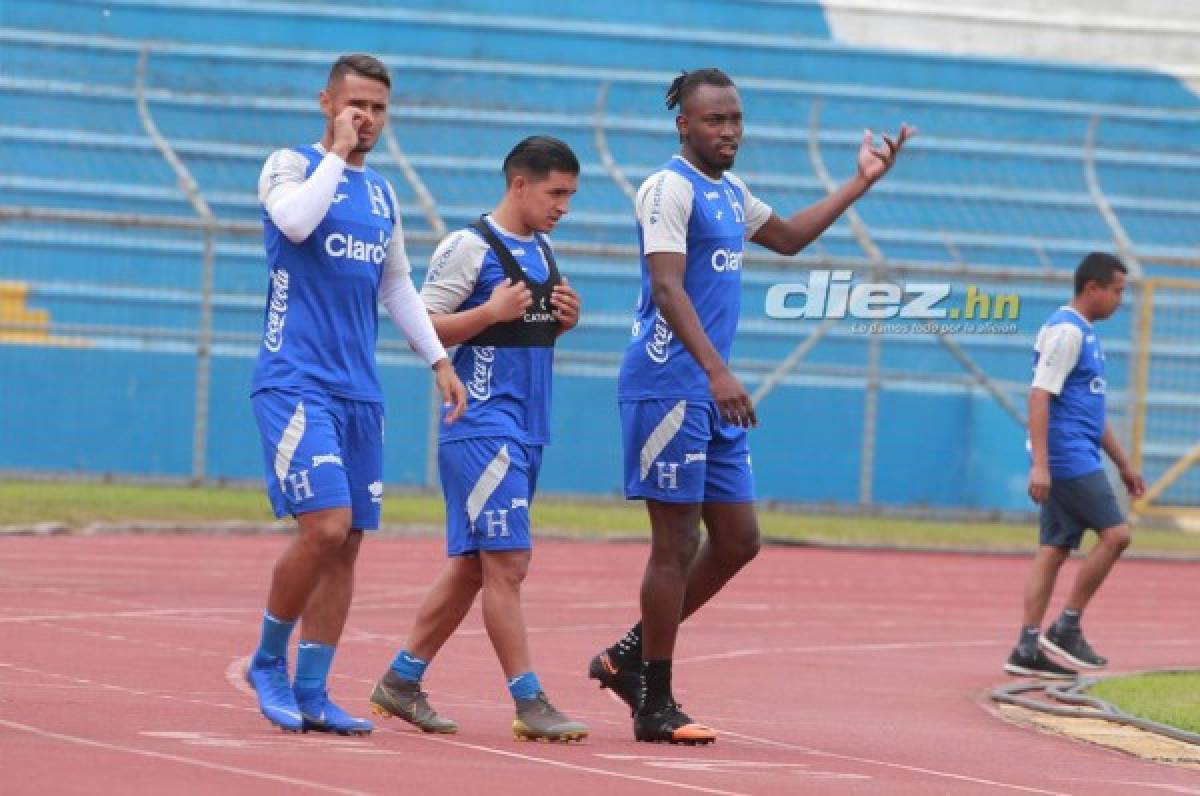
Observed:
{"x":824,"y":671}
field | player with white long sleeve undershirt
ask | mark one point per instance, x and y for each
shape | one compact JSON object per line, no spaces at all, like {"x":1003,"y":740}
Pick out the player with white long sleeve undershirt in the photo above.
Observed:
{"x":335,"y":251}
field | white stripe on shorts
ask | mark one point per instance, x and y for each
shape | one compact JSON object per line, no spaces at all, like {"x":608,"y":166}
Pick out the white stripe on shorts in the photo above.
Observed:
{"x":288,"y":443}
{"x":492,"y":476}
{"x":662,"y":435}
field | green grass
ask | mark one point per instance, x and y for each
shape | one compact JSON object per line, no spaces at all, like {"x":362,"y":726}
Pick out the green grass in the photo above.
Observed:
{"x":77,"y":504}
{"x":1171,"y":698}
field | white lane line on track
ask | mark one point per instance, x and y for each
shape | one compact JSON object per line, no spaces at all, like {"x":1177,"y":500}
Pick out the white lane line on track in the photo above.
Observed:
{"x":1163,"y":786}
{"x":726,"y":766}
{"x":234,"y":668}
{"x":151,"y":612}
{"x":189,"y":761}
{"x":889,"y":764}
{"x":560,"y":764}
{"x":235,"y":673}
{"x":882,"y":647}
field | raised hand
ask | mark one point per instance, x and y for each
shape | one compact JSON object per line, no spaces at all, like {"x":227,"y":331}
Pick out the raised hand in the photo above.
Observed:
{"x":875,"y":162}
{"x":345,"y":130}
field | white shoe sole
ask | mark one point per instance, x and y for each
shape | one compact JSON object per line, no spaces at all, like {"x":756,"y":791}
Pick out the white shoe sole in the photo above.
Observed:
{"x":1050,"y":646}
{"x":1021,"y":671}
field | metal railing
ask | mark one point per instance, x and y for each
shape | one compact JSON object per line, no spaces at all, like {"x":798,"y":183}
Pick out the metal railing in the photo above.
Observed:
{"x":875,"y":262}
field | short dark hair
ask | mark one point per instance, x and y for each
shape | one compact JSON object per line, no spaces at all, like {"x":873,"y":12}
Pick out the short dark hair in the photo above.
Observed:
{"x":360,"y":64}
{"x":1097,"y":267}
{"x":537,"y":156}
{"x":687,"y":82}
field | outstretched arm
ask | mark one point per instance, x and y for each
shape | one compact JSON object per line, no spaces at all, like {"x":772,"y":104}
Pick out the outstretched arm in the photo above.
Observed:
{"x":788,"y":236}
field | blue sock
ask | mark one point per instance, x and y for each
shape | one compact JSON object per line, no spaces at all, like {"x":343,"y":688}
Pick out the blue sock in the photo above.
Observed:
{"x":409,"y":667}
{"x":274,"y":640}
{"x":313,"y":660}
{"x":524,"y":686}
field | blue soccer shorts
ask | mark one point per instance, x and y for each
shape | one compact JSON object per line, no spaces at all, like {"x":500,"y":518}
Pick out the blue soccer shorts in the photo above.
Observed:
{"x":321,"y":452}
{"x":488,"y":484}
{"x":1076,"y":504}
{"x":680,"y":451}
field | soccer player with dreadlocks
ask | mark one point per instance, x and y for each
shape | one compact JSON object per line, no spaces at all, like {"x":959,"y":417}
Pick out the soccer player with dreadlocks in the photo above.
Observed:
{"x":684,"y":415}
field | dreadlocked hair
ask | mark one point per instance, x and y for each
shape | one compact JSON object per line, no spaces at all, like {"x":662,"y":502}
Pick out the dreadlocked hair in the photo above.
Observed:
{"x":687,"y":82}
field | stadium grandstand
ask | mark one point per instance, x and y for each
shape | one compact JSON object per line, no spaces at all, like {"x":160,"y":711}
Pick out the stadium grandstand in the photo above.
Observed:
{"x":133,"y":132}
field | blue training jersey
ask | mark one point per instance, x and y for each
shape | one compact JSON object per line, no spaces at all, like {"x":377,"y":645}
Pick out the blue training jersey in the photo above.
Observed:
{"x":680,"y":209}
{"x":509,"y":389}
{"x":321,"y":318}
{"x":1069,"y":363}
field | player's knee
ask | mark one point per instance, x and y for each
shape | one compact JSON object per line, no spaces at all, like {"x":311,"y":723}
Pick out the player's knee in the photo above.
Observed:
{"x":506,"y":570}
{"x":675,"y":549}
{"x":328,"y":536}
{"x":736,"y":550}
{"x":1118,"y":538}
{"x":746,"y":548}
{"x":468,"y":573}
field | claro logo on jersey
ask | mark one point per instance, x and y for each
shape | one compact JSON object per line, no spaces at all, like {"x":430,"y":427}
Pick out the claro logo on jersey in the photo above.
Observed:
{"x":480,"y":385}
{"x":348,"y":247}
{"x":658,"y":347}
{"x":276,"y":310}
{"x":726,"y":260}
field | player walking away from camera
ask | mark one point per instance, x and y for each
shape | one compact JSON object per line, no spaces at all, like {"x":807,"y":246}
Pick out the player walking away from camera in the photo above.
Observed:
{"x":495,"y":288}
{"x":1067,"y":429}
{"x":334,"y":248}
{"x":684,"y":414}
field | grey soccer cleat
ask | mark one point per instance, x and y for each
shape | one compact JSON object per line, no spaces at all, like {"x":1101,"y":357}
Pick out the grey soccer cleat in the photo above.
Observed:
{"x":538,"y":720}
{"x":396,"y":697}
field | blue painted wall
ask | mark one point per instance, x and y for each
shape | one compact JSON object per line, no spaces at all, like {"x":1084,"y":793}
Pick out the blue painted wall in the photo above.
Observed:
{"x":125,"y":405}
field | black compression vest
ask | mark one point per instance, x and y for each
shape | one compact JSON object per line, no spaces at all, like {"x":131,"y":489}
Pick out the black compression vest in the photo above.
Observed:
{"x":538,"y":329}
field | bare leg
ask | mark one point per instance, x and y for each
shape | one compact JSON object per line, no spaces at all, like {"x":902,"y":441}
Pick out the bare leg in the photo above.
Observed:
{"x":733,"y":541}
{"x":445,"y":606}
{"x":1112,"y":543}
{"x":503,"y":573}
{"x":321,"y":538}
{"x":674,"y":541}
{"x":325,"y":615}
{"x":1040,"y":583}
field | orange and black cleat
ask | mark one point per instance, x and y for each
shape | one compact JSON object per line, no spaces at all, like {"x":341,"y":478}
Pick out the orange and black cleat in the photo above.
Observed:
{"x":622,"y":681}
{"x":669,"y":724}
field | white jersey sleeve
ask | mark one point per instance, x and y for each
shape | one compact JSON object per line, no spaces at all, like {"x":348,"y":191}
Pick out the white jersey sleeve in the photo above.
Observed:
{"x":397,"y":255}
{"x":295,"y":204}
{"x":400,"y":298}
{"x":664,"y":207}
{"x":1058,"y":350}
{"x":757,"y":211}
{"x":453,"y":271}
